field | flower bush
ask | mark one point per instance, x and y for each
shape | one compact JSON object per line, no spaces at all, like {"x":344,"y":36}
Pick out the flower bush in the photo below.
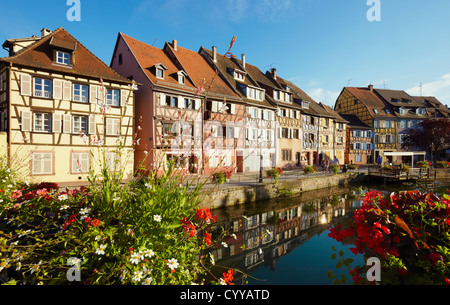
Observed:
{"x":335,"y":168}
{"x":387,"y":167}
{"x":310,"y":169}
{"x":404,"y":167}
{"x":143,"y":232}
{"x":275,"y":173}
{"x":423,"y":164}
{"x":442,"y":164}
{"x":409,"y":233}
{"x":222,"y":176}
{"x":352,"y":166}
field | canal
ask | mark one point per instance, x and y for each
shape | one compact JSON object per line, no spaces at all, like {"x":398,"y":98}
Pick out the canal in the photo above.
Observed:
{"x":285,"y":241}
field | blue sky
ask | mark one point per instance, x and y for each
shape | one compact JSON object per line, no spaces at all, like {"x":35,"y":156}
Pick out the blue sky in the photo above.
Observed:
{"x":321,"y":45}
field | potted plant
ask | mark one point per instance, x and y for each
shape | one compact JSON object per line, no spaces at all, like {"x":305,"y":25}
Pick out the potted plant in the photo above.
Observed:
{"x":309,"y":169}
{"x":404,"y":167}
{"x":275,"y":173}
{"x":423,"y":164}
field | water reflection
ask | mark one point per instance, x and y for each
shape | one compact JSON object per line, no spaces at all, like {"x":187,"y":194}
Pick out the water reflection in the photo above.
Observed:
{"x":264,"y":233}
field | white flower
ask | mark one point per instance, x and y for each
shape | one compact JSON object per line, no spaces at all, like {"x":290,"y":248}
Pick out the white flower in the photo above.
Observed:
{"x":148,"y":253}
{"x":62,"y":197}
{"x":101,"y":250}
{"x":137,"y":276}
{"x":157,"y":218}
{"x":135,"y":258}
{"x":225,"y":244}
{"x":64,"y":207}
{"x":211,"y":259}
{"x":172,"y":263}
{"x":147,"y":281}
{"x":234,"y":236}
{"x":4,"y":264}
{"x":222,"y":282}
{"x":148,"y":185}
{"x":9,"y":186}
{"x":123,"y":275}
{"x":84,"y":211}
{"x":146,"y":271}
{"x":35,"y":267}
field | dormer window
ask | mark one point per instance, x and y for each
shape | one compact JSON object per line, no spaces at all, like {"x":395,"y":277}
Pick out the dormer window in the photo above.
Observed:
{"x":402,"y":110}
{"x":160,"y":71}
{"x":181,"y":77}
{"x":63,"y":58}
{"x":239,"y":75}
{"x":375,"y":111}
{"x":387,"y":111}
{"x":305,"y":104}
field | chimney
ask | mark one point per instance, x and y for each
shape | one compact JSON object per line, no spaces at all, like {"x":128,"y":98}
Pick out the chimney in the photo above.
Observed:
{"x":175,"y":45}
{"x":371,"y":88}
{"x":45,"y":32}
{"x":214,"y":53}
{"x":243,"y":60}
{"x":274,"y":73}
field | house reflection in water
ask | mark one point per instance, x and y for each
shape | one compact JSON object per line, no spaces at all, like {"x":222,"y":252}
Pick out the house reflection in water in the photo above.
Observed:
{"x":264,"y":237}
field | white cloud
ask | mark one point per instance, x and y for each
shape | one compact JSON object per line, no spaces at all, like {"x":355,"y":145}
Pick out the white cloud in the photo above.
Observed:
{"x":440,"y":88}
{"x":327,"y":97}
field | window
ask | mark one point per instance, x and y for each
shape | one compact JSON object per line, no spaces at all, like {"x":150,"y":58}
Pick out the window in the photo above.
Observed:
{"x":305,"y":104}
{"x":340,"y":140}
{"x":62,"y":58}
{"x":375,"y":111}
{"x":357,"y":158}
{"x":120,"y":59}
{"x":112,"y":126}
{"x":80,"y":93}
{"x":296,"y":134}
{"x":41,"y":163}
{"x":238,"y":75}
{"x":112,"y":161}
{"x":177,"y":161}
{"x":286,"y":155}
{"x":160,"y":73}
{"x":42,"y":87}
{"x":113,"y":97}
{"x":80,"y":162}
{"x":42,"y":122}
{"x":387,"y":138}
{"x":80,"y":124}
{"x":255,"y":94}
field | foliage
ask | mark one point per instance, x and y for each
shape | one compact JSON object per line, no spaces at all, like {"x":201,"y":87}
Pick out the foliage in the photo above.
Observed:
{"x":433,"y":136}
{"x":408,"y":232}
{"x":404,"y":167}
{"x":275,"y":173}
{"x":335,"y":168}
{"x":222,"y":177}
{"x":352,"y":166}
{"x":310,"y":169}
{"x":143,"y":232}
{"x":387,"y":167}
{"x":423,"y":164}
{"x":442,"y":164}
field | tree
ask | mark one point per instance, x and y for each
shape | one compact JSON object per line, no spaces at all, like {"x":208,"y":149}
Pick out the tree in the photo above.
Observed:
{"x":433,"y":135}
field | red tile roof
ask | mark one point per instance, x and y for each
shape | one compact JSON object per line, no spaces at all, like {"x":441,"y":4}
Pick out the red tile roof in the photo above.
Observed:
{"x":40,"y":55}
{"x":201,"y":73}
{"x":372,"y":101}
{"x":148,"y":56}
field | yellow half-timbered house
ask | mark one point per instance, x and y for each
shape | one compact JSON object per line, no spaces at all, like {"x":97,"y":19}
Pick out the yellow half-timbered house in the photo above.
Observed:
{"x":63,"y":109}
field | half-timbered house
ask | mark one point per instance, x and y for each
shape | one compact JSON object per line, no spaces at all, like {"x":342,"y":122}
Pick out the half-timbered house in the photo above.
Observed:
{"x":373,"y":111}
{"x":259,"y":120}
{"x":63,"y":109}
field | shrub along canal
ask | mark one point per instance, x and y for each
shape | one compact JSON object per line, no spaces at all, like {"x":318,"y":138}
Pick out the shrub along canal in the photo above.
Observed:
{"x":285,"y":241}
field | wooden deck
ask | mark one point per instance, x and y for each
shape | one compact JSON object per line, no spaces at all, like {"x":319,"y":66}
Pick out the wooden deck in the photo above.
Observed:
{"x":398,"y":175}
